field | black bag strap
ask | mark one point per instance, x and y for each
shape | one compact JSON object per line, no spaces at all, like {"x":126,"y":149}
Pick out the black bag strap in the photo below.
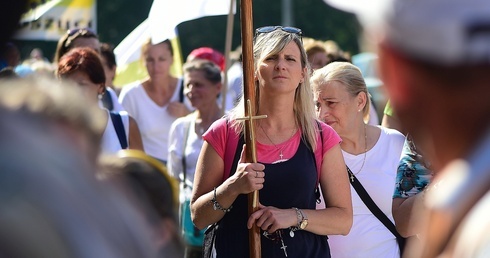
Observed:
{"x":184,"y":166}
{"x":119,"y":127}
{"x":107,"y":100}
{"x":181,"y":91}
{"x":317,"y":190}
{"x":375,"y":210}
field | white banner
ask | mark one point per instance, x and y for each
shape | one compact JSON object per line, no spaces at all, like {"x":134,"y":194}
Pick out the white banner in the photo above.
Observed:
{"x":161,"y":24}
{"x":50,"y":19}
{"x":165,"y":15}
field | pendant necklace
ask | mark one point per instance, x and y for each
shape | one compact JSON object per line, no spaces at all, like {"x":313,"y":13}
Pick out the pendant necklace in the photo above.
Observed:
{"x":363,"y":160}
{"x":281,"y":156}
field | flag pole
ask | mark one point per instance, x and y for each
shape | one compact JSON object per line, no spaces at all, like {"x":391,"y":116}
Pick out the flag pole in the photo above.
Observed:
{"x":249,"y":97}
{"x":228,"y":41}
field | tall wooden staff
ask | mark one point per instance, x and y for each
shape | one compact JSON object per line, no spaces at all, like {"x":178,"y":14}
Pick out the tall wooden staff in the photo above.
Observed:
{"x":249,"y":97}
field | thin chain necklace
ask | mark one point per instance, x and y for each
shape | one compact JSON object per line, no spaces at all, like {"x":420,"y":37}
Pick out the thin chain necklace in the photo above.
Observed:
{"x":363,"y":160}
{"x":281,"y":156}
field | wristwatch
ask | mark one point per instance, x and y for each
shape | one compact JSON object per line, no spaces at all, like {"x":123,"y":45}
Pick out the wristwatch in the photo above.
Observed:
{"x":302,"y":218}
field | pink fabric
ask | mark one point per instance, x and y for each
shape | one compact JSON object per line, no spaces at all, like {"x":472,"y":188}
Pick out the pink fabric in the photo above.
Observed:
{"x":224,"y":141}
{"x":210,"y":54}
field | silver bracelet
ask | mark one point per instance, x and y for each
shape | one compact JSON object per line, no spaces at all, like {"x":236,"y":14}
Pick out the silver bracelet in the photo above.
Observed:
{"x":217,"y":206}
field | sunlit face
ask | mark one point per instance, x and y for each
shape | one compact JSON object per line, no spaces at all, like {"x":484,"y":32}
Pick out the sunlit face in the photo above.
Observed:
{"x":335,"y":106}
{"x":82,"y":79}
{"x":200,"y":91}
{"x":318,"y":60}
{"x":91,"y":42}
{"x":282,"y":71}
{"x":158,"y":60}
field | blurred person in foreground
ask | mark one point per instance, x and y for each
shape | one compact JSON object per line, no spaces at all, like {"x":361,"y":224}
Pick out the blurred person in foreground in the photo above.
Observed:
{"x":51,"y":204}
{"x":155,"y":188}
{"x":297,"y":157}
{"x":434,"y":59}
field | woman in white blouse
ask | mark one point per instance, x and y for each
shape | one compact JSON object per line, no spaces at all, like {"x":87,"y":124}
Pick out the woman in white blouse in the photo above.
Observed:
{"x":371,"y":152}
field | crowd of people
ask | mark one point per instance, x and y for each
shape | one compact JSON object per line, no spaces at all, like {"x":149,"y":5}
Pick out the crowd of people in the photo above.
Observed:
{"x":157,"y":168}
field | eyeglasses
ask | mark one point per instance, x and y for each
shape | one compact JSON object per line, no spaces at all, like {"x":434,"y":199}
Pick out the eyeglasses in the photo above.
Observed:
{"x":268,"y":29}
{"x":79,"y":32}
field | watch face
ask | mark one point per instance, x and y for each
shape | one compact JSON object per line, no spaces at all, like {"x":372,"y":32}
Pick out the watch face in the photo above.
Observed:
{"x":303,"y":224}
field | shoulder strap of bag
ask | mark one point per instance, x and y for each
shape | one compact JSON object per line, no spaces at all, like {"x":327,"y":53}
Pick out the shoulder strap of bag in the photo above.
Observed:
{"x":361,"y":191}
{"x":181,"y":91}
{"x":119,"y":127}
{"x":184,"y":166}
{"x":317,"y":189}
{"x":107,"y":100}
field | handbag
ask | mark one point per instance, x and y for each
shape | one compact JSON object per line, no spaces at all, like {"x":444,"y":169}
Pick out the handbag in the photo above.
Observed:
{"x":375,"y":210}
{"x":209,"y":240}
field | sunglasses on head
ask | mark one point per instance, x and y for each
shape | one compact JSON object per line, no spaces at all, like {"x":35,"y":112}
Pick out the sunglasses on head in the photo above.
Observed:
{"x":79,"y":32}
{"x":268,"y":29}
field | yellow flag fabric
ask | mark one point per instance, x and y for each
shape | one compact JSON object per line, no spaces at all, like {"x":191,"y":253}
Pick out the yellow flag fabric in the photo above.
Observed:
{"x":161,"y":24}
{"x":50,"y":19}
{"x":130,"y":66}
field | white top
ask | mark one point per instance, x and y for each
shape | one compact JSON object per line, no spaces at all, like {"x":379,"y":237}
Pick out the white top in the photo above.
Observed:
{"x":153,"y":120}
{"x":368,"y":237}
{"x":176,"y":148}
{"x":110,"y":142}
{"x":235,"y":81}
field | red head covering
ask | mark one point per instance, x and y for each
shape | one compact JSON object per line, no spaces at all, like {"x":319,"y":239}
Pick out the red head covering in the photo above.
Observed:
{"x":208,"y":54}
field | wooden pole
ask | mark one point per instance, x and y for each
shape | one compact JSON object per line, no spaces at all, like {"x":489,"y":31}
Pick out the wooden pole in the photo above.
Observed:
{"x":246,"y":22}
{"x":228,"y":41}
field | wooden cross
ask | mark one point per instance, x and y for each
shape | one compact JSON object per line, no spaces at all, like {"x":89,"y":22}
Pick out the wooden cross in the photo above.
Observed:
{"x":253,"y":197}
{"x":250,"y":119}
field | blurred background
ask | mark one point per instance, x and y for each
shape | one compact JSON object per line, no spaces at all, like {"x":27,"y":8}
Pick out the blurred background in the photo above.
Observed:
{"x":117,"y":18}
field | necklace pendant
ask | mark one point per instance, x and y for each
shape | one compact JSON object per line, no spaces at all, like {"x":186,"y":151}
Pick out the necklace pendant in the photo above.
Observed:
{"x":352,"y":178}
{"x":281,"y":156}
{"x":291,"y":233}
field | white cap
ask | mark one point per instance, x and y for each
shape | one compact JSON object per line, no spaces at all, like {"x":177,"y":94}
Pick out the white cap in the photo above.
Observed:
{"x":448,"y":32}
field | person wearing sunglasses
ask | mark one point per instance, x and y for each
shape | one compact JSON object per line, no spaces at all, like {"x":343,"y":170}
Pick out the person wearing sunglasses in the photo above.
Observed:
{"x":77,"y":37}
{"x":298,"y":156}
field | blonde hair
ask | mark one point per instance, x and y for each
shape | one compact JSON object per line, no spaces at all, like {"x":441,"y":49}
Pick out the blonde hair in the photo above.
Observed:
{"x":314,"y":46}
{"x":268,"y":44}
{"x":147,"y":44}
{"x":346,"y":73}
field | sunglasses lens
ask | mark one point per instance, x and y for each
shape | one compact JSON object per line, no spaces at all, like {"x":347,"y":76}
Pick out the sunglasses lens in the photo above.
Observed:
{"x":292,"y":30}
{"x":82,"y":31}
{"x":268,"y":29}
